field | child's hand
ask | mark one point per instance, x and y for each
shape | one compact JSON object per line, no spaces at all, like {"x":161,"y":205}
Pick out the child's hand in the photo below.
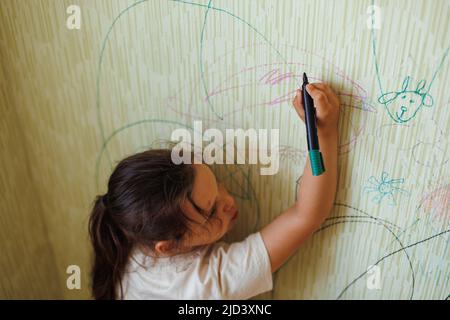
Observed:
{"x":327,"y":107}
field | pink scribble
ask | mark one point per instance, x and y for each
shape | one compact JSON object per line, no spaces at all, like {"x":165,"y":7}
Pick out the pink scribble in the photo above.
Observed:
{"x":436,"y":203}
{"x":274,"y":77}
{"x":269,"y":75}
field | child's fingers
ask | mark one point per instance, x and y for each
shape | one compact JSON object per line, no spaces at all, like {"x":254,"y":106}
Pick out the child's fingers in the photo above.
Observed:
{"x":298,"y":104}
{"x":320,"y":100}
{"x":318,"y":95}
{"x":322,"y":86}
{"x":332,"y":97}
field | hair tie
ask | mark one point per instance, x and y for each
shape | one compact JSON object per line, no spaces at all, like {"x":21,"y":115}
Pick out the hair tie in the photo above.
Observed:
{"x":105,"y":200}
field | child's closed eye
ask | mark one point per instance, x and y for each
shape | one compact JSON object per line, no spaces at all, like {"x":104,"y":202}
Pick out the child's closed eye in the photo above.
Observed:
{"x":213,"y":212}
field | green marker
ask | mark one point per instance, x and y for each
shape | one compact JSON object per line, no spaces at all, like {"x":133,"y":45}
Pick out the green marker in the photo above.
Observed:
{"x":315,"y":156}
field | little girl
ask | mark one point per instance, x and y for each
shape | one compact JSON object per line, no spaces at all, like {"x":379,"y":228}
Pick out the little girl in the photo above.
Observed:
{"x":155,"y":232}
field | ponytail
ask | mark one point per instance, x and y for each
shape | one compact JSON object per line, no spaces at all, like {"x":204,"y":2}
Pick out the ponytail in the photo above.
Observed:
{"x":111,"y":250}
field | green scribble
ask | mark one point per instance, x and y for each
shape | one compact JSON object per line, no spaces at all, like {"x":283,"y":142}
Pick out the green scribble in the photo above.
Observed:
{"x":403,"y":105}
{"x":220,"y":10}
{"x":107,"y":140}
{"x":99,"y":71}
{"x":202,"y":71}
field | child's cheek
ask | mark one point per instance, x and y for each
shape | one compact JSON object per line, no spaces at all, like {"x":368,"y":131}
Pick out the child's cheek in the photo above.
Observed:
{"x":221,"y":227}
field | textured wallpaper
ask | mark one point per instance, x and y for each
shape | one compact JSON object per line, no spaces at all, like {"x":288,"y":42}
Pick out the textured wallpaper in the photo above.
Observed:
{"x":76,"y":101}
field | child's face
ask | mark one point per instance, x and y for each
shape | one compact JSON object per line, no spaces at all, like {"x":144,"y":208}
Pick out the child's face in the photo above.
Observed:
{"x":214,"y":201}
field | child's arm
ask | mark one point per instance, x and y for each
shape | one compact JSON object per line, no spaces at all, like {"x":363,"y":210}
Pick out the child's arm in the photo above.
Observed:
{"x":316,"y":194}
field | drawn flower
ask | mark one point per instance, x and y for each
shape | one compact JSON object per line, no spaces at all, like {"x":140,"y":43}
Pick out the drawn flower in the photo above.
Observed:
{"x":385,"y":188}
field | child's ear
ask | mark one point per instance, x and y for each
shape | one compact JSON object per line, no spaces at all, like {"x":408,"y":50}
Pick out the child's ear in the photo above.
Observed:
{"x":163,"y":247}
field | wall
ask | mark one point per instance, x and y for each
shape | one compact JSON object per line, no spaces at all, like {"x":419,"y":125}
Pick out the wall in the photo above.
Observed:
{"x":77,"y":101}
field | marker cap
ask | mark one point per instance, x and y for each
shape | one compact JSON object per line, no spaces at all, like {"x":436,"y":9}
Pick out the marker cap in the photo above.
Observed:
{"x":316,"y":160}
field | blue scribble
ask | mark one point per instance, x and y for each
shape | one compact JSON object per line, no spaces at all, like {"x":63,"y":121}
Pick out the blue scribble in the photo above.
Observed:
{"x":385,"y":188}
{"x":403,"y":105}
{"x":403,"y":114}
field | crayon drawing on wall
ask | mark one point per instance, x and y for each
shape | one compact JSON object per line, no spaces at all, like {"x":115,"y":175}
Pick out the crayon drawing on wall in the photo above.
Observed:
{"x":141,"y":69}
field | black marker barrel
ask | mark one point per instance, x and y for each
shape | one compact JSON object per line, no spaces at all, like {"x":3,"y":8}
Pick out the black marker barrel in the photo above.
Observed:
{"x":310,"y":117}
{"x":315,"y":156}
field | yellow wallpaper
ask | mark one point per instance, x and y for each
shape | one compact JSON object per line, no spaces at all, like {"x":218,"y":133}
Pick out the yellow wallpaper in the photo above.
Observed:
{"x":74,"y":102}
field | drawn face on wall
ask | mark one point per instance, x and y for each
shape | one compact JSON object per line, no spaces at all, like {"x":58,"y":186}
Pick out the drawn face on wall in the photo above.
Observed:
{"x":403,"y":105}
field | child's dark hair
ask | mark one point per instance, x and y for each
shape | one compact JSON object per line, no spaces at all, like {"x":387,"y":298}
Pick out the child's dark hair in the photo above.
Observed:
{"x":142,"y":206}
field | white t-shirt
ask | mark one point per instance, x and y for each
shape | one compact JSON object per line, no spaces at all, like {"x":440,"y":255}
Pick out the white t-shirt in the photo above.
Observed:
{"x":239,"y":270}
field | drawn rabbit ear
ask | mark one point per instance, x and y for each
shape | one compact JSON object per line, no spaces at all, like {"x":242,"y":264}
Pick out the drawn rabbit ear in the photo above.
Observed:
{"x":405,"y":83}
{"x":421,"y":85}
{"x":387,"y":97}
{"x":427,"y":100}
